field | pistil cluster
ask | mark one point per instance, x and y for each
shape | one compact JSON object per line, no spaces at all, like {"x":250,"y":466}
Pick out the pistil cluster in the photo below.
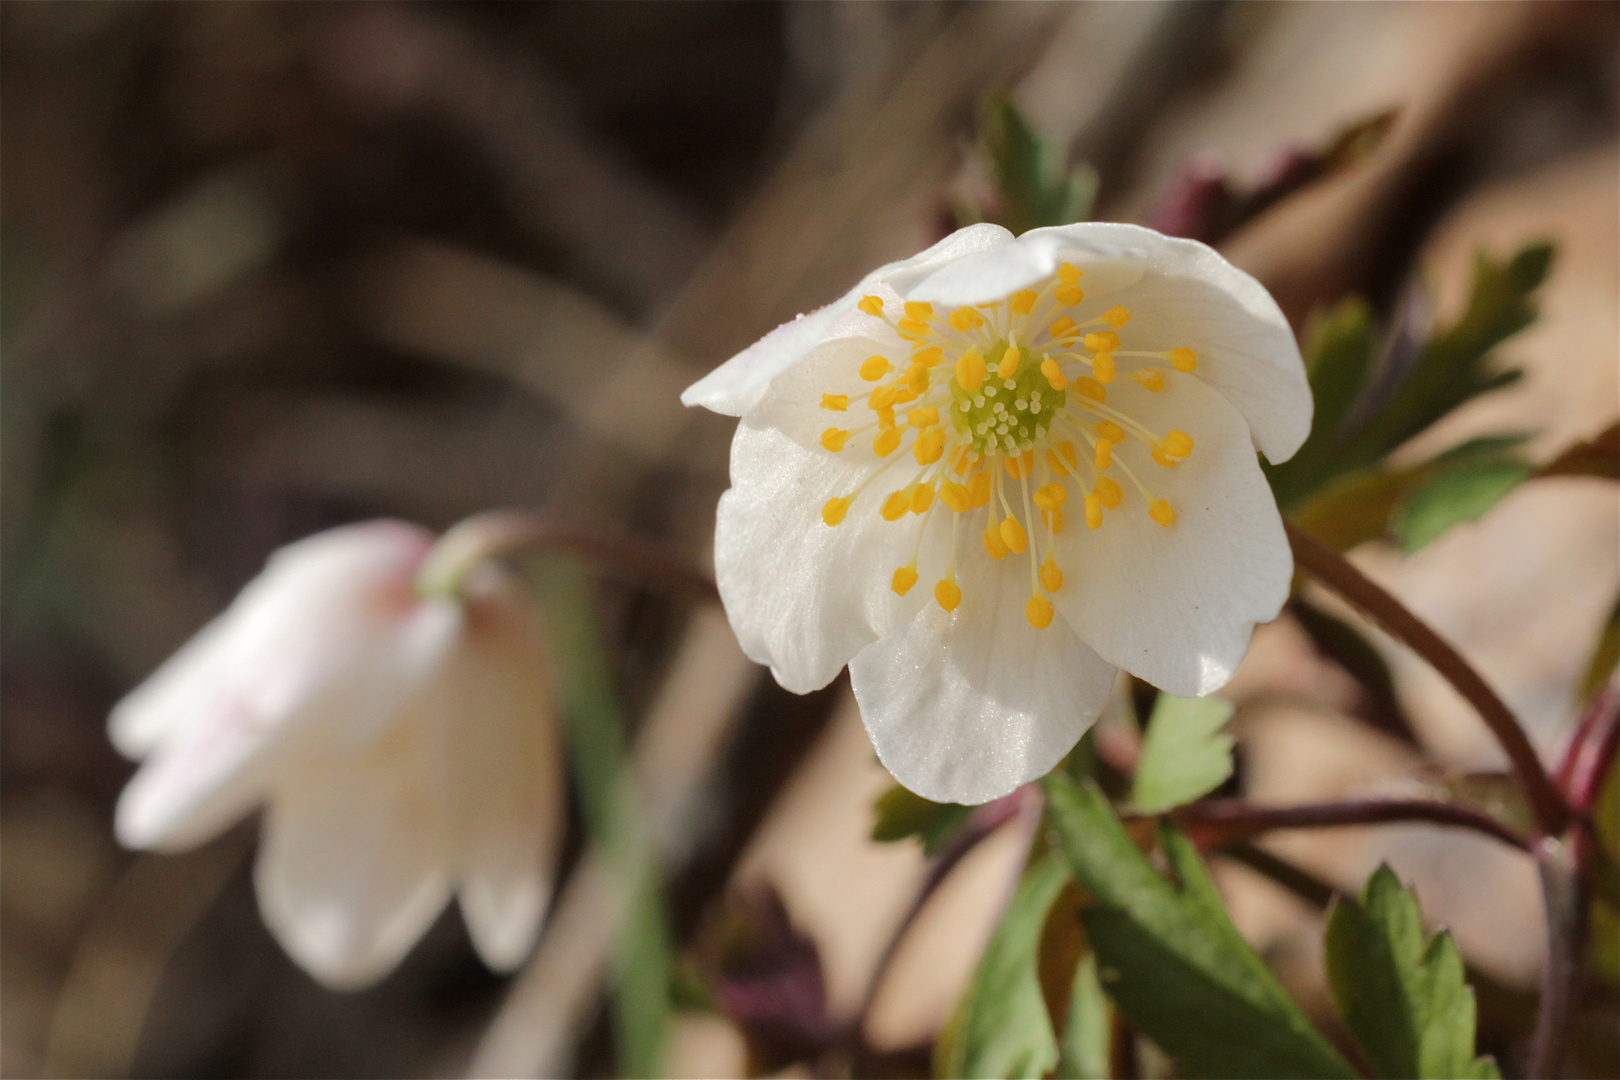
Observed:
{"x":1005,"y":406}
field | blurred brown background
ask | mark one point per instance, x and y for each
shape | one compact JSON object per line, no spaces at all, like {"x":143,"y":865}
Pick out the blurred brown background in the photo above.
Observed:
{"x":270,"y":268}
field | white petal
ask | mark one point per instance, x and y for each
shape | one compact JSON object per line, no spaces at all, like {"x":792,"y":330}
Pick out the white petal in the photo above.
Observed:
{"x":352,"y":868}
{"x":1176,"y":606}
{"x":966,"y":706}
{"x":1108,"y":262}
{"x":738,"y":384}
{"x":499,"y":756}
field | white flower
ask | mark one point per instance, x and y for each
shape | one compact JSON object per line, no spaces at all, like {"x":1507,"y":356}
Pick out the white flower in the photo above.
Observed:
{"x":404,"y":749}
{"x":1055,"y":436}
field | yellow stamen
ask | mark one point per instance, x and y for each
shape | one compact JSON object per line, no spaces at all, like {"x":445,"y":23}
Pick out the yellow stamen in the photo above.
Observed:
{"x":970,"y":370}
{"x":1102,"y":366}
{"x":1056,"y":463}
{"x":912,"y":328}
{"x":1183,"y":359}
{"x":1151,"y":379}
{"x":926,"y":416}
{"x":1111,"y":431}
{"x":1178,"y":444}
{"x":922,"y":498}
{"x":895,"y":506}
{"x":1051,"y":576}
{"x":965,"y":319}
{"x":885,"y":417}
{"x":835,"y":402}
{"x":904,"y":579}
{"x":874,"y":368}
{"x":872,"y":305}
{"x":833,"y":439}
{"x":1039,"y":612}
{"x":928,"y":357}
{"x":1090,"y":388}
{"x":1013,"y":535}
{"x":994,"y":544}
{"x":835,"y":509}
{"x":1051,"y":496}
{"x":1102,"y":341}
{"x":929,"y":447}
{"x":1109,"y":492}
{"x":1164,"y":459}
{"x":1161,"y":512}
{"x":947,"y":593}
{"x":1105,"y":454}
{"x":917,"y":309}
{"x":979,"y":489}
{"x":881,"y":398}
{"x":1093,"y":512}
{"x":1068,"y":274}
{"x":1060,"y":327}
{"x":1069,"y":295}
{"x":1054,"y":518}
{"x":886,"y":442}
{"x":1054,"y":374}
{"x":1009,"y":362}
{"x":1023,"y":301}
{"x":1020,"y":466}
{"x":1117,"y":317}
{"x":955,"y":496}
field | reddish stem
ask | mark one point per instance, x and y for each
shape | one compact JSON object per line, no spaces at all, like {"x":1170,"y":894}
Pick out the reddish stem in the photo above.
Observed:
{"x":1591,"y":750}
{"x":1338,"y":574}
{"x":1226,"y":821}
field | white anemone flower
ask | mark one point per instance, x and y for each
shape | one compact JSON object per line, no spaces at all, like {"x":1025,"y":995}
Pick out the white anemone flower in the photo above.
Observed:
{"x":404,"y":748}
{"x":1053,"y":435}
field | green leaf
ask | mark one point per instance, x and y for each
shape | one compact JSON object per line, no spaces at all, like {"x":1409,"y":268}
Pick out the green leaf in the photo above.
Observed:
{"x":1001,"y":1027}
{"x":1454,"y":493}
{"x":1339,"y":351}
{"x":1605,"y":657}
{"x":1083,"y":1053}
{"x":1354,"y":508}
{"x":1036,"y":186}
{"x":899,"y":814}
{"x":1185,"y":755}
{"x":1170,"y":957}
{"x":643,"y":956}
{"x":1402,"y":996}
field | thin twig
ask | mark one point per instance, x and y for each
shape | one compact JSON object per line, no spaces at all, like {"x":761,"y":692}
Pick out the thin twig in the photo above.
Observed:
{"x":1338,"y":574}
{"x":1591,"y":750}
{"x":1219,"y":822}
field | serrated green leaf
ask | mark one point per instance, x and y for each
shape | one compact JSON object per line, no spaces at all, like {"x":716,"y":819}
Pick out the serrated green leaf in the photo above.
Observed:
{"x":1001,"y":1028}
{"x":1035,"y":183}
{"x":1454,"y":493}
{"x":1185,"y":755}
{"x":1403,"y":997}
{"x":1170,"y":957}
{"x":1083,"y":1052}
{"x":900,"y":814}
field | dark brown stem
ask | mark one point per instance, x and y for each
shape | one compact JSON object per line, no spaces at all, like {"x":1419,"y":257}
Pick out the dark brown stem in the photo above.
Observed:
{"x":1337,"y":573}
{"x":1219,"y":822}
{"x":503,"y":534}
{"x":1564,"y":892}
{"x":1598,"y":456}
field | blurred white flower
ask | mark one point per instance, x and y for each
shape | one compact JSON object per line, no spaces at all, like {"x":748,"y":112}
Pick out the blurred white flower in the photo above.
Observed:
{"x":1056,"y":436}
{"x":404,"y":749}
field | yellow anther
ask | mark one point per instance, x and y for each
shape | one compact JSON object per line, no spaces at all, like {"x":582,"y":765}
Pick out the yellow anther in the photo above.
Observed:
{"x":1044,"y":500}
{"x":1101,"y":341}
{"x":1020,"y":466}
{"x":965,"y":319}
{"x":922,"y":498}
{"x":905,"y":394}
{"x":1151,"y":378}
{"x":881,"y":398}
{"x":1090,"y":388}
{"x":1039,"y":612}
{"x":927,"y":416}
{"x":1009,"y":362}
{"x":1066,"y":448}
{"x":1117,"y":317}
{"x":914,"y":328}
{"x":1093,"y":512}
{"x":835,"y":402}
{"x":1069,"y":295}
{"x":874,"y":368}
{"x":1060,"y":327}
{"x":1056,"y":463}
{"x":1111,"y":431}
{"x":970,"y":370}
{"x":1057,"y":493}
{"x":872,"y":305}
{"x":979,"y":489}
{"x":1023,"y":301}
{"x":1102,"y":366}
{"x":1164,"y":459}
{"x":994,"y":544}
{"x":917,"y":378}
{"x":1178,"y":444}
{"x":904,"y":579}
{"x":1183,"y":359}
{"x":895,"y":506}
{"x":1054,"y":374}
{"x":886,"y":442}
{"x":1161,"y":512}
{"x":1051,"y":576}
{"x":955,"y":496}
{"x":1109,"y":492}
{"x":917,"y":309}
{"x":1068,"y":274}
{"x":885,"y":417}
{"x":1013,"y":535}
{"x":963,"y":460}
{"x":833,"y":439}
{"x":1105,"y":454}
{"x":834,"y":510}
{"x":929,"y":447}
{"x":948,"y":593}
{"x":928,"y":357}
